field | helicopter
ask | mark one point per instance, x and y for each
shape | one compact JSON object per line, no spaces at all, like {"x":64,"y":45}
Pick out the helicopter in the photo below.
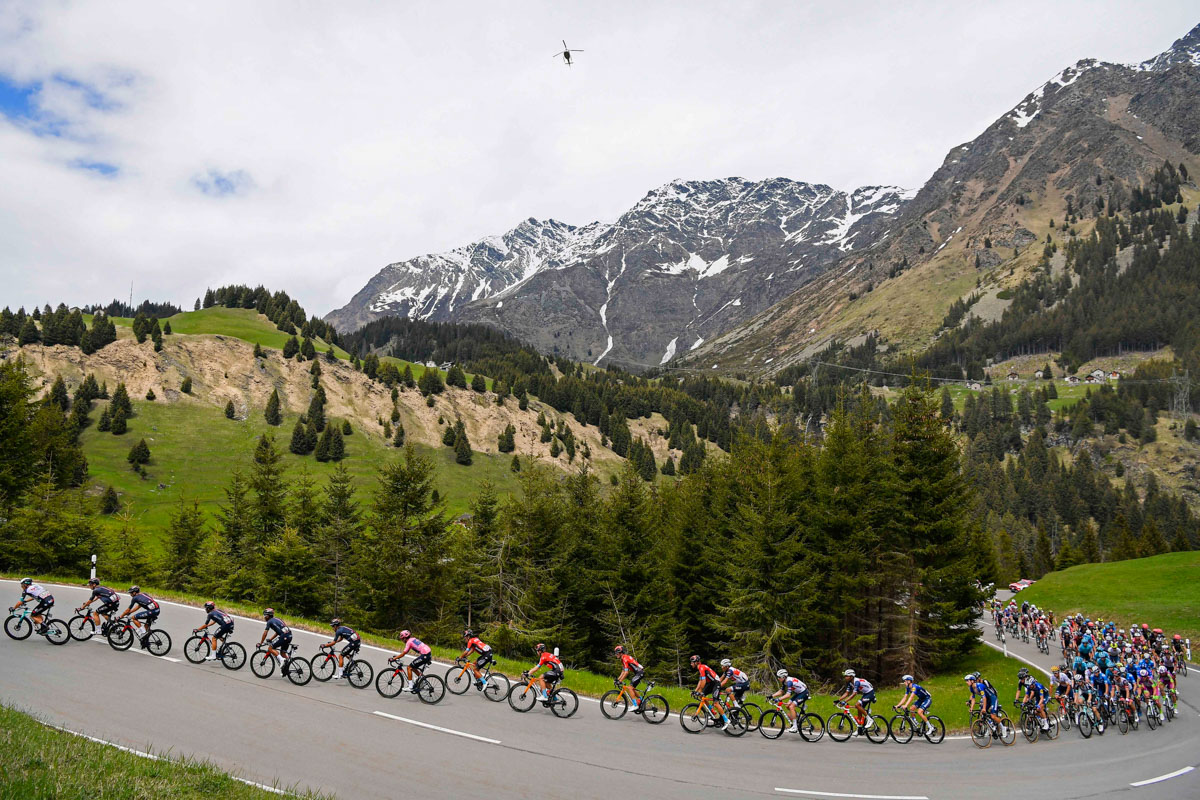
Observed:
{"x":566,"y":53}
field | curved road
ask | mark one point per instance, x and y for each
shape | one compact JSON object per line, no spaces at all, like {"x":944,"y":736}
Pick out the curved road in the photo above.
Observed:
{"x":331,"y":737}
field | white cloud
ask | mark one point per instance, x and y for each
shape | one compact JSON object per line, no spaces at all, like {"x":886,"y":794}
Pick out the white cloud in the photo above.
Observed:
{"x":303,"y":146}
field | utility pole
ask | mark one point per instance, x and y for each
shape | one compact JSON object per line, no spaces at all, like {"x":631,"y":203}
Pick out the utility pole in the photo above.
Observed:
{"x":1181,"y":399}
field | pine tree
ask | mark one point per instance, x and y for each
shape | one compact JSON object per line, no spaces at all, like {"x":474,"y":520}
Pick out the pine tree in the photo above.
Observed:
{"x":338,"y":536}
{"x":269,"y":491}
{"x":258,"y":351}
{"x":668,"y":467}
{"x":1043,"y":557}
{"x":478,"y":383}
{"x":456,"y":377}
{"x":119,"y":424}
{"x":139,"y":454}
{"x":1089,"y":544}
{"x":184,"y":539}
{"x":398,"y":440}
{"x":507,"y":440}
{"x":150,"y":395}
{"x":555,"y":448}
{"x":449,"y":435}
{"x":947,"y":404}
{"x":346,"y":429}
{"x":229,"y":410}
{"x":291,"y":347}
{"x":110,"y":503}
{"x":58,"y":395}
{"x":515,"y":464}
{"x":307,"y":349}
{"x":105,"y":422}
{"x":120,"y":401}
{"x":1189,"y":430}
{"x":127,"y":556}
{"x":299,"y":442}
{"x":290,"y":571}
{"x":337,"y":445}
{"x":29,"y":333}
{"x":325,"y":444}
{"x":272,"y":413}
{"x":462,"y":447}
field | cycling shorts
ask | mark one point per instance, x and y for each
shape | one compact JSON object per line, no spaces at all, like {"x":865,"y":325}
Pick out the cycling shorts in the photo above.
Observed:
{"x":636,"y":677}
{"x":925,"y":704}
{"x":43,"y":604}
{"x":867,"y":698}
{"x":108,"y":608}
{"x":422,"y":661}
{"x":223,"y":631}
{"x":1061,"y":689}
{"x":484,"y":659}
{"x":351,"y":648}
{"x":739,"y":690}
{"x":146,"y":615}
{"x":799,"y":697}
{"x":710,"y":686}
{"x":991,"y":703}
{"x":552,"y":677}
{"x":281,"y":643}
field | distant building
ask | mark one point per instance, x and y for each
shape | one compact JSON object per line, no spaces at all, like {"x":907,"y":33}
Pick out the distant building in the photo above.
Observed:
{"x":1072,"y":379}
{"x":1039,"y":374}
{"x":1098,"y":374}
{"x":1114,"y":375}
{"x":975,"y":386}
{"x":1012,"y":376}
{"x":1092,"y":379}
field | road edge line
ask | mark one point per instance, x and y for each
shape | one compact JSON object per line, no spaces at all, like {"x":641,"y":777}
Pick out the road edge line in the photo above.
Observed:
{"x":1162,"y":778}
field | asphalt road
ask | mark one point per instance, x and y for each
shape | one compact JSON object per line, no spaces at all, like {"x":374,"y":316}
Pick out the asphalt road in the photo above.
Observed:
{"x":331,"y":737}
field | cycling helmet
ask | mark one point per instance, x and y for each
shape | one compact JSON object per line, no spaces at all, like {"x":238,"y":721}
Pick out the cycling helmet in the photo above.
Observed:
{"x":335,"y":622}
{"x":1078,"y":677}
{"x":1144,"y":673}
{"x":1177,"y":637}
{"x":848,"y":673}
{"x":134,"y":589}
{"x":93,"y":582}
{"x":1022,"y":674}
{"x":210,"y":605}
{"x":268,"y":613}
{"x":1029,"y":680}
{"x":26,"y":581}
{"x":781,"y":674}
{"x":1162,"y":670}
{"x":907,"y":678}
{"x":1145,"y":627}
{"x":970,"y":677}
{"x":725,"y":662}
{"x":404,"y":634}
{"x":619,"y":649}
{"x":694,"y":659}
{"x":539,"y":647}
{"x":468,"y":633}
{"x":1056,"y":669}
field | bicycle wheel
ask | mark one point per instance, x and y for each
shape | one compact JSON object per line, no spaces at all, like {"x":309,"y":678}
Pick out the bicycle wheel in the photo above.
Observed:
{"x":81,"y":627}
{"x":18,"y":627}
{"x":1183,"y":666}
{"x":1170,"y":711}
{"x":877,"y":729}
{"x":390,"y":682}
{"x":1030,"y":727}
{"x":811,"y":726}
{"x":754,"y":713}
{"x":324,"y":665}
{"x":57,"y":632}
{"x":981,"y":734}
{"x":1064,"y":716}
{"x":158,"y":642}
{"x":262,"y":664}
{"x":936,"y":733}
{"x":901,"y":729}
{"x":359,"y":674}
{"x":458,"y":679}
{"x":233,"y":656}
{"x":739,"y":722}
{"x":1122,"y":720}
{"x":496,"y":688}
{"x":196,"y":649}
{"x":298,"y":670}
{"x":841,"y":727}
{"x":1008,"y":734}
{"x":692,"y":718}
{"x":1152,"y":717}
{"x":120,"y":637}
{"x":565,"y":703}
{"x":522,"y":697}
{"x":772,"y":724}
{"x":613,"y":704}
{"x":430,"y":689}
{"x":655,"y":708}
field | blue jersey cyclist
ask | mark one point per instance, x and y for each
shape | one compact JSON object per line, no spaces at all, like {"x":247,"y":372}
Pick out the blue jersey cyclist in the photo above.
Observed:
{"x":1030,"y":690}
{"x":796,"y":692}
{"x":919,"y":698}
{"x":343,"y":633}
{"x":280,"y":644}
{"x":989,"y":699}
{"x":224,"y":623}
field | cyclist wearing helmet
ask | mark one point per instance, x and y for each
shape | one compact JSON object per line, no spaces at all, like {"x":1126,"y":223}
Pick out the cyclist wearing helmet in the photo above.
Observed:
{"x":109,"y":600}
{"x":224,"y":624}
{"x":735,"y":682}
{"x":989,"y":699}
{"x":423,"y":656}
{"x":350,"y":637}
{"x":919,"y":697}
{"x":476,"y":645}
{"x":1167,"y":683}
{"x":1060,"y":681}
{"x":141,"y":619}
{"x":631,"y":670}
{"x":32,"y":591}
{"x":796,"y":692}
{"x":553,"y":674}
{"x":1034,"y":692}
{"x":281,"y":637}
{"x":709,"y":684}
{"x":865,"y":692}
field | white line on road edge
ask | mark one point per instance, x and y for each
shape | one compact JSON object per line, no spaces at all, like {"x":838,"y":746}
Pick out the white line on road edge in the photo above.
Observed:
{"x":1166,"y":777}
{"x":866,"y":796}
{"x":1011,"y":654}
{"x":437,"y":728}
{"x":148,"y":653}
{"x":262,"y":786}
{"x":137,"y":753}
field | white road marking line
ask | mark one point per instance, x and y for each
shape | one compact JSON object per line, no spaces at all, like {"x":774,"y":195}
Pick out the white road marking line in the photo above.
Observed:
{"x":262,"y":786}
{"x":437,"y":728}
{"x":864,"y":796}
{"x":1162,"y":778}
{"x":148,"y":653}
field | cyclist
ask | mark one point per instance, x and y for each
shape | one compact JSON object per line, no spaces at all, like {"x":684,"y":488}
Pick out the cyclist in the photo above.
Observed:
{"x":281,"y":639}
{"x":989,"y":699}
{"x":1060,"y":681}
{"x":1146,"y":687}
{"x":224,"y":624}
{"x":45,"y":600}
{"x":734,"y":682}
{"x":146,"y":616}
{"x":1167,"y":684}
{"x":423,"y":656}
{"x":476,"y":645}
{"x":351,"y":638}
{"x":554,"y":671}
{"x":632,"y":671}
{"x":865,"y":692}
{"x":1034,"y":692}
{"x":1125,"y":693}
{"x":709,"y":684}
{"x":796,"y":693}
{"x":919,"y":697}
{"x":1101,"y":688}
{"x":109,"y":601}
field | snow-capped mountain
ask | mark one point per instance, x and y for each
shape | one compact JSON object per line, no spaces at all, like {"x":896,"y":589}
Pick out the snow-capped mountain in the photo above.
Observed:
{"x":689,"y":260}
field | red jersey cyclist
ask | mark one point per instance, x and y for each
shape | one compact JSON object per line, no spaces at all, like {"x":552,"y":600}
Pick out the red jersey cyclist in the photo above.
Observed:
{"x":554,"y":671}
{"x":633,"y":671}
{"x":709,"y":684}
{"x":476,"y":645}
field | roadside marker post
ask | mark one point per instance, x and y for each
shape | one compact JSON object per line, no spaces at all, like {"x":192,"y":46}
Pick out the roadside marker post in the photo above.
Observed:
{"x":93,"y":575}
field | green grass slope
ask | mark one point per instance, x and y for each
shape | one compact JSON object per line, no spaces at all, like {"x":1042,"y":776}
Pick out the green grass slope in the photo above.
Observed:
{"x":1163,"y":591}
{"x":39,"y":762}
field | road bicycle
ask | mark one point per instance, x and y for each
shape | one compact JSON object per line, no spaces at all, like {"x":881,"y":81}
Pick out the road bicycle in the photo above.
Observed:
{"x":905,"y":723}
{"x":709,"y":713}
{"x":358,"y":673}
{"x":1083,"y":717}
{"x":295,"y":668}
{"x":1031,"y":723}
{"x":231,"y":654}
{"x":774,"y":722}
{"x":121,"y":634}
{"x":1043,"y":644}
{"x":429,"y":689}
{"x":1153,"y":714}
{"x":20,"y":625}
{"x":461,"y":676}
{"x":753,"y":711}
{"x":1060,"y":706}
{"x":82,"y":627}
{"x":652,"y":707}
{"x":844,"y":723}
{"x":562,"y":701}
{"x":984,"y":729}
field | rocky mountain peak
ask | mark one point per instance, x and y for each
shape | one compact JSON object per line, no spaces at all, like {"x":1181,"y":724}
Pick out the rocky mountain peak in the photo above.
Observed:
{"x":1184,"y":52}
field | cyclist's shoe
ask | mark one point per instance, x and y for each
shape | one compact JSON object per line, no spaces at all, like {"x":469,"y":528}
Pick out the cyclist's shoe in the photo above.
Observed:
{"x":339,"y":676}
{"x":793,"y":729}
{"x":42,"y":628}
{"x":211,"y":657}
{"x":479,"y":684}
{"x":144,"y":641}
{"x":725,"y":727}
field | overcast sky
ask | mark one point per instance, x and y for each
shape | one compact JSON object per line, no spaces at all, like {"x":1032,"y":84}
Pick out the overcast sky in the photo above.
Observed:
{"x":305,"y":145}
